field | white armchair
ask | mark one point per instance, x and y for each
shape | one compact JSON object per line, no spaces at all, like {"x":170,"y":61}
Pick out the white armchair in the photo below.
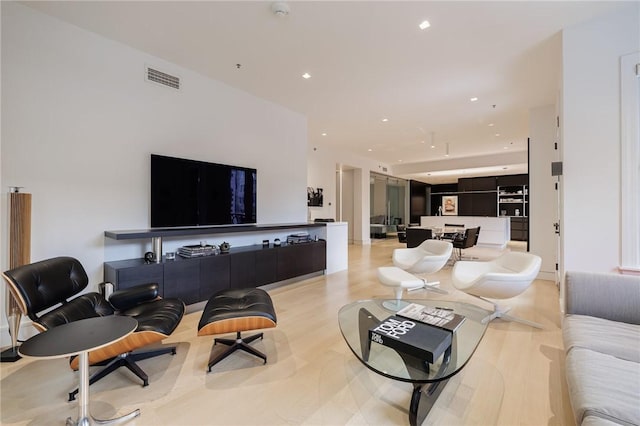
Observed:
{"x":429,"y":257}
{"x":502,"y":278}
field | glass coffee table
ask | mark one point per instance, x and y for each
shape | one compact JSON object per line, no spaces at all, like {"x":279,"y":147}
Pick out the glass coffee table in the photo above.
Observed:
{"x":428,"y":381}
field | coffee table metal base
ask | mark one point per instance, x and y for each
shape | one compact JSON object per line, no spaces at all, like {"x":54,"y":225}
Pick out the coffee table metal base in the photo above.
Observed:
{"x":84,"y":417}
{"x":424,"y":394}
{"x":423,"y":399}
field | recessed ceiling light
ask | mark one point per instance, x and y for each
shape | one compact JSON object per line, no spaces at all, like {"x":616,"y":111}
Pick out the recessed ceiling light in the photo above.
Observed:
{"x":306,"y":76}
{"x":433,"y":146}
{"x":369,"y":150}
{"x":491,"y":124}
{"x":324,"y":134}
{"x":424,"y":25}
{"x":505,"y":147}
{"x":385,"y":119}
{"x":399,"y":161}
{"x":421,"y":141}
{"x":497,"y":134}
{"x":474,"y":99}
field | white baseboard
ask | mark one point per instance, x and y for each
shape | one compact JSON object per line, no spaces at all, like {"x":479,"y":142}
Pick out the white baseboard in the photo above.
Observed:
{"x":548,"y":276}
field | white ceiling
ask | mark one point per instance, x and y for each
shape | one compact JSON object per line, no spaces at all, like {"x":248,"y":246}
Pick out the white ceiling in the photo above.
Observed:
{"x":368,"y":60}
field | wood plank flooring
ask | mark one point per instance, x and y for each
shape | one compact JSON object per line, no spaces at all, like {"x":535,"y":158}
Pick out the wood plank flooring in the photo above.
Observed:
{"x":516,"y":376}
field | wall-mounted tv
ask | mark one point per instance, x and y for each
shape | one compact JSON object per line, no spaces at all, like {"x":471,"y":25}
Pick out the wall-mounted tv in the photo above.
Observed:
{"x":196,"y":193}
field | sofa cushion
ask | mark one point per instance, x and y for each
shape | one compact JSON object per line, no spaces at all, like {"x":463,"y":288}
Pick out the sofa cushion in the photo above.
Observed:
{"x":598,"y":421}
{"x":604,"y":386}
{"x":612,"y":296}
{"x":619,"y":339}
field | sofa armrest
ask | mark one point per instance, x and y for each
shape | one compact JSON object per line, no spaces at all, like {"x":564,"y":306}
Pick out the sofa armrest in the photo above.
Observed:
{"x":609,"y":296}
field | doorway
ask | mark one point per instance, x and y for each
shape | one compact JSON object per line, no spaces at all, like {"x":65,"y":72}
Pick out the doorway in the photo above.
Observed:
{"x":388,"y":201}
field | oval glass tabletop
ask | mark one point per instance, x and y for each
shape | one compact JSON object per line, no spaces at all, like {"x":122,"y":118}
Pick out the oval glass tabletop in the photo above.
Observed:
{"x":355,"y":320}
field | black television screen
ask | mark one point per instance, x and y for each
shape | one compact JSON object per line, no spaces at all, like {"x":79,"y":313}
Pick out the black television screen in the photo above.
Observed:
{"x":197,"y":193}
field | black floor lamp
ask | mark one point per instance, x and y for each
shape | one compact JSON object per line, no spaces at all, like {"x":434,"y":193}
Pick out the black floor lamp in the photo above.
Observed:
{"x":19,"y":254}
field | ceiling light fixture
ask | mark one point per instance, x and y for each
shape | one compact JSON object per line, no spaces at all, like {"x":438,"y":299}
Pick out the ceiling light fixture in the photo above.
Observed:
{"x":369,"y":150}
{"x":280,"y":8}
{"x":324,"y":134}
{"x":491,"y":124}
{"x":497,"y":134}
{"x":474,"y":99}
{"x":424,"y":25}
{"x":306,"y":76}
{"x":385,"y":120}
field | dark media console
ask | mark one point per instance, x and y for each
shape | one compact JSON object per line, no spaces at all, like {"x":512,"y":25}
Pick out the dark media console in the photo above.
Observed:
{"x":195,"y":280}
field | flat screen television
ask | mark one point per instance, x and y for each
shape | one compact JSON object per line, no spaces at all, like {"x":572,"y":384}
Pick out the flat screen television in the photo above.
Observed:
{"x":196,"y":193}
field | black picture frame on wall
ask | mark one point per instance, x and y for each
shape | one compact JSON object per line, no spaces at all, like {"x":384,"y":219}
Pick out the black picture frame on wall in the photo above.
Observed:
{"x":314,"y":197}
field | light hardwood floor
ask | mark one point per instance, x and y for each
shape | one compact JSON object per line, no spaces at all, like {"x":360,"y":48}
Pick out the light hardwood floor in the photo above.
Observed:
{"x":516,"y":376}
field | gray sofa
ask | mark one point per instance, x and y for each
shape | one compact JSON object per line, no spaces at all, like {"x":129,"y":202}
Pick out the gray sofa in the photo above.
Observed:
{"x":601,"y":333}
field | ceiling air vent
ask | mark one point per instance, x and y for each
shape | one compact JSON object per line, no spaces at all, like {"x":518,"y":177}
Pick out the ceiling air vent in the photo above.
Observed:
{"x":163,"y":78}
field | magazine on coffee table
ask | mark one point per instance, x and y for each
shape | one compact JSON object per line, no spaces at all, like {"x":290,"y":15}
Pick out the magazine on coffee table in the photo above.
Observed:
{"x":439,"y":317}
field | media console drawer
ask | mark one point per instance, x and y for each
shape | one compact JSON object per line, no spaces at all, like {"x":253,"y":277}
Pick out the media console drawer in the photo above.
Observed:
{"x":195,"y":280}
{"x":132,"y":272}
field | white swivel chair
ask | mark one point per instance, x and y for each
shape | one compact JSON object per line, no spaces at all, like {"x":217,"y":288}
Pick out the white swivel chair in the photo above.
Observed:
{"x":502,"y":278}
{"x":429,"y":257}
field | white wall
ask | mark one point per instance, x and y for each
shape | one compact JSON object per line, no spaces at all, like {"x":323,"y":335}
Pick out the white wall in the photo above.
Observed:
{"x":322,"y":164}
{"x":79,"y":123}
{"x":347,"y":200}
{"x":321,"y":174}
{"x":590,"y":124}
{"x":543,"y":198}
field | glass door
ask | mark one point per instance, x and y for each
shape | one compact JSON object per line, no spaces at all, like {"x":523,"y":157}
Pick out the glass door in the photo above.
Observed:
{"x":388,"y":200}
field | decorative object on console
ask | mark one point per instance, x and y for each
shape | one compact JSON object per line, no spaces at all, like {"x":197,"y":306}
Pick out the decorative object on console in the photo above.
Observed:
{"x":19,"y":254}
{"x":298,"y":237}
{"x":276,"y":242}
{"x":325,"y":220}
{"x":225,"y":247}
{"x":149,"y":257}
{"x":197,"y":250}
